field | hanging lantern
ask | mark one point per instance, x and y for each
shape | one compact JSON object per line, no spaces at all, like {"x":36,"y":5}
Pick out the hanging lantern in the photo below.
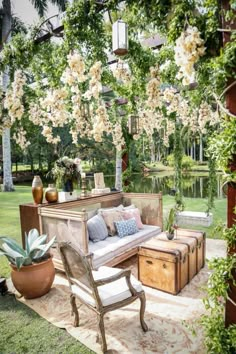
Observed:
{"x":120,"y":38}
{"x":133,"y":124}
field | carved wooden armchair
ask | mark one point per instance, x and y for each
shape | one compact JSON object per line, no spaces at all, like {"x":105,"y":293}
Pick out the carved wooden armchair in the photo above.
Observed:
{"x":104,"y":290}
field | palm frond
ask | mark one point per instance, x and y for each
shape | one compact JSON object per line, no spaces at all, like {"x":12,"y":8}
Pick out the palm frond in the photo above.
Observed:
{"x":40,"y":6}
{"x":18,"y":25}
{"x":60,"y":3}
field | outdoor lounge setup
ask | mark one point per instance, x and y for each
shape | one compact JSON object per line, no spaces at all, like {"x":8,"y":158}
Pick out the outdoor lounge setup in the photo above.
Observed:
{"x":69,"y":221}
{"x":86,"y":254}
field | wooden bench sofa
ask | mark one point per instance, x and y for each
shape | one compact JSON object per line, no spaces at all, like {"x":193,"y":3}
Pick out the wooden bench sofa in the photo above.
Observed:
{"x":68,"y":221}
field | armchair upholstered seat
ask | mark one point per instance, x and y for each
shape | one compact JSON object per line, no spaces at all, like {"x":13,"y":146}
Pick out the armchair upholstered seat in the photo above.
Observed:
{"x":102,"y":290}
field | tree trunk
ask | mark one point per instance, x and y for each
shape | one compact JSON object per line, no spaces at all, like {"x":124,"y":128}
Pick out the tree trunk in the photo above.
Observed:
{"x":6,"y":142}
{"x":118,"y":182}
{"x":153,"y":151}
{"x":200,"y":149}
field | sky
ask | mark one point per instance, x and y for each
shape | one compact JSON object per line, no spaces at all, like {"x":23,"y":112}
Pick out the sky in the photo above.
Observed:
{"x":26,"y":12}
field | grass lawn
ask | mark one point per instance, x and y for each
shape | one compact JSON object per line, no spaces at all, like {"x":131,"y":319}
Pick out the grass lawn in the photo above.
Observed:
{"x":22,"y":330}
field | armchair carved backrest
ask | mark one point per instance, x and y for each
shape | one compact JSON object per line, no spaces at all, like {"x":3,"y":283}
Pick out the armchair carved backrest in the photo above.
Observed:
{"x":78,"y":269}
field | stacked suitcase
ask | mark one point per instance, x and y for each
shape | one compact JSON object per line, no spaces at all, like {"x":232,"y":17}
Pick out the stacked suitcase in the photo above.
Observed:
{"x":170,"y":265}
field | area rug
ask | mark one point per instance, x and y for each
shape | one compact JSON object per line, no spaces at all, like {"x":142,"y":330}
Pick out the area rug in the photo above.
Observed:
{"x":169,"y":318}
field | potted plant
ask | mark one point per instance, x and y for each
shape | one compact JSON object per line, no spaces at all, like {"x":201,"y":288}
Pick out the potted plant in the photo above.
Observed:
{"x":170,"y":224}
{"x":32,"y":268}
{"x":66,"y":171}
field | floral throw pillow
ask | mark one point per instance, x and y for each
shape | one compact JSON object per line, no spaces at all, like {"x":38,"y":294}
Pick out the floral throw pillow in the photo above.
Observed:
{"x":133,"y":213}
{"x":126,"y":227}
{"x":110,"y":217}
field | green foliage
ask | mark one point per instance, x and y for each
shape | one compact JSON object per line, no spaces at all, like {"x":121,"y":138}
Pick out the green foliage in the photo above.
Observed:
{"x":212,"y":182}
{"x":170,"y":221}
{"x":227,"y":233}
{"x":222,"y":145}
{"x":35,"y":249}
{"x":84,"y":30}
{"x":187,"y":162}
{"x":218,"y":338}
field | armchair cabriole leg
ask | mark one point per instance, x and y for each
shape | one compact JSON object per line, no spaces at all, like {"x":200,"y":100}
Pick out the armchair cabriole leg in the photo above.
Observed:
{"x":101,"y":329}
{"x":142,"y":310}
{"x":74,"y":310}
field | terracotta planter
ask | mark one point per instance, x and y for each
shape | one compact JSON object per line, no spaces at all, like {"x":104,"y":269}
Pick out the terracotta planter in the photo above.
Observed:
{"x":33,"y":280}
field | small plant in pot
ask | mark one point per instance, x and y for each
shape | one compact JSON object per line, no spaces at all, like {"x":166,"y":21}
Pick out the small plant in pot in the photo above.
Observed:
{"x":170,"y":225}
{"x":32,"y":268}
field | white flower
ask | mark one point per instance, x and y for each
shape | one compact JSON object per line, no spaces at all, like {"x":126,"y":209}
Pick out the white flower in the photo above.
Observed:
{"x":188,"y":49}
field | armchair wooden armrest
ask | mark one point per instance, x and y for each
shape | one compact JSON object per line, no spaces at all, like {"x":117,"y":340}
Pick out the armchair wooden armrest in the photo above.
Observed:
{"x":112,"y":278}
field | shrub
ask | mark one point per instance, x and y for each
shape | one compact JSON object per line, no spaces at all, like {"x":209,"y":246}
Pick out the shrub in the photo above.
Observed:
{"x":187,"y":162}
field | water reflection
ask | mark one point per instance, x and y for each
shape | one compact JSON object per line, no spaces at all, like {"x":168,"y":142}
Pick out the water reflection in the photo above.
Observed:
{"x":194,"y":185}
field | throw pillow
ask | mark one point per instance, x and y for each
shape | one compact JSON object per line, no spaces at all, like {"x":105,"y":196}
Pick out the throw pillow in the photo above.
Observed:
{"x":110,"y":217}
{"x":97,"y":228}
{"x":132,"y":206}
{"x":133,"y":213}
{"x":119,"y":208}
{"x":126,"y":227}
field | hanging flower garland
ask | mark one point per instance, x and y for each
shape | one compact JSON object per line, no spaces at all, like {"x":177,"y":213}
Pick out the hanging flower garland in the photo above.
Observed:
{"x":121,"y":72}
{"x":153,"y":90}
{"x":13,"y":99}
{"x":20,"y":138}
{"x":189,"y":47}
{"x":101,"y":123}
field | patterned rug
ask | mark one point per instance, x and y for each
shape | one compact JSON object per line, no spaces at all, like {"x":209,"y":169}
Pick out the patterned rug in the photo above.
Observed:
{"x":168,"y":317}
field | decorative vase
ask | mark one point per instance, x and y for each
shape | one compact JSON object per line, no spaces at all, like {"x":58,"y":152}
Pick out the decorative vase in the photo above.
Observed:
{"x":68,"y":186}
{"x":37,"y":190}
{"x":51,"y":194}
{"x":33,"y":280}
{"x":170,"y":236}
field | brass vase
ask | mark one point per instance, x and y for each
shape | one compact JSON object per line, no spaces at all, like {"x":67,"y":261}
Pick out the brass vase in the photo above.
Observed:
{"x":37,"y":190}
{"x":51,"y":194}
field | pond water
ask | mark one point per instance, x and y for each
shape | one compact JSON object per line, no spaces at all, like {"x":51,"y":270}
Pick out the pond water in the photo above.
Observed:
{"x":194,"y":184}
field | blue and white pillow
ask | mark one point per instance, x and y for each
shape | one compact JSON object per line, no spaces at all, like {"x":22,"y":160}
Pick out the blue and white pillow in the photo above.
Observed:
{"x":126,"y":227}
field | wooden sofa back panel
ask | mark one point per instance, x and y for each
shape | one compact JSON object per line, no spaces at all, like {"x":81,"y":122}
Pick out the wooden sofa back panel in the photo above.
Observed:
{"x":67,"y":225}
{"x":149,"y":205}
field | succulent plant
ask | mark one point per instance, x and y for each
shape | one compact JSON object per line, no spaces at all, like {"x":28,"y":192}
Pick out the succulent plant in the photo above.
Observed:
{"x":35,"y":249}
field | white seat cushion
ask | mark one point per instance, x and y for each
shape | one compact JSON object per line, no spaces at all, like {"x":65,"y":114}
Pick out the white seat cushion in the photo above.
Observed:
{"x":111,"y":247}
{"x":110,"y":293}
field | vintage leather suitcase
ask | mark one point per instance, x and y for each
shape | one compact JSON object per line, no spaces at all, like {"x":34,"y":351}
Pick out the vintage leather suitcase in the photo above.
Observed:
{"x":200,"y":236}
{"x":163,"y":265}
{"x":192,"y":251}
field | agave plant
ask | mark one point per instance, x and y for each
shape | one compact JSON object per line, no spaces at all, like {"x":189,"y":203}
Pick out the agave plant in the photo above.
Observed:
{"x":35,"y":249}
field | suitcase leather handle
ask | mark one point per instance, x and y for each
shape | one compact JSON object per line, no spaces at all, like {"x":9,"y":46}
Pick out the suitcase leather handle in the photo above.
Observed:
{"x":200,"y":244}
{"x":149,"y":262}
